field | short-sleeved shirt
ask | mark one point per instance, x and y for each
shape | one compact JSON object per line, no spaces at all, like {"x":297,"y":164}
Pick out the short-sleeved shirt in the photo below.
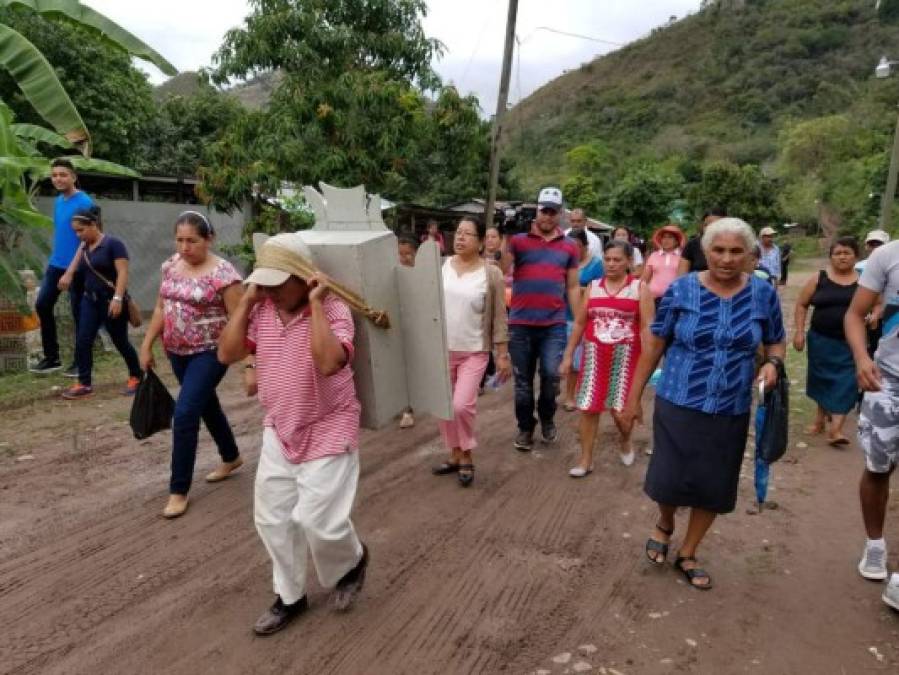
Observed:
{"x":313,"y":415}
{"x":881,"y":275}
{"x":771,"y":260}
{"x":193,"y":308}
{"x":102,"y":259}
{"x":594,"y":243}
{"x":65,"y":241}
{"x":710,"y":361}
{"x":694,"y":254}
{"x":664,"y":271}
{"x":540,"y":280}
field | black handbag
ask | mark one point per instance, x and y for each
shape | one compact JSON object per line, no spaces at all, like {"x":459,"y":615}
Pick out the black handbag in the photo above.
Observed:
{"x":152,"y":408}
{"x":772,"y":442}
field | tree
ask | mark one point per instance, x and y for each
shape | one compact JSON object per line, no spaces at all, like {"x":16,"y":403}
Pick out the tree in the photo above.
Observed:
{"x":113,"y":98}
{"x":358,"y":103}
{"x":317,"y":40}
{"x":743,"y":190}
{"x":644,"y":197}
{"x":21,"y":225}
{"x":180,"y":134}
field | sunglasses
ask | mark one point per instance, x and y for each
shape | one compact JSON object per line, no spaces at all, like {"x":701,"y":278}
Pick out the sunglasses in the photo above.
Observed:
{"x":546,"y":209}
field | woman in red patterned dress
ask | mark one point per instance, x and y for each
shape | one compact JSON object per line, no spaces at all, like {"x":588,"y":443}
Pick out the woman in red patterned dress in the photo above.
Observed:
{"x":618,"y":308}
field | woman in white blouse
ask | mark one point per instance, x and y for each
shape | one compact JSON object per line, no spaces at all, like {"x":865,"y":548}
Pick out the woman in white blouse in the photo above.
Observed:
{"x":474,"y":300}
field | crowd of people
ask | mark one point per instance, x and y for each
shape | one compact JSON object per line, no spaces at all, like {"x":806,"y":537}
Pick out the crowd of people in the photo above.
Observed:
{"x":698,"y":319}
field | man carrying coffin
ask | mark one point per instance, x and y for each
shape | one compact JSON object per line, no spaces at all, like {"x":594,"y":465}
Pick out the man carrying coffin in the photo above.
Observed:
{"x":302,"y":338}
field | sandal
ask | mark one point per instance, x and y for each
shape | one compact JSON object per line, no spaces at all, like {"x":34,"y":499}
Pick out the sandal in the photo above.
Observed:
{"x":838,"y":441}
{"x":466,"y":474}
{"x":569,"y":407}
{"x":445,"y":468}
{"x":656,"y":546}
{"x":693,"y":573}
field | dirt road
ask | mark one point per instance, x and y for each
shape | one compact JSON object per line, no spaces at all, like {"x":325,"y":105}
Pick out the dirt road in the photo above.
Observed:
{"x":527,"y":571}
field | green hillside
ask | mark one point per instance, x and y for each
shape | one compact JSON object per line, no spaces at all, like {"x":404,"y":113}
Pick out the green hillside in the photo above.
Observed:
{"x":783,"y":90}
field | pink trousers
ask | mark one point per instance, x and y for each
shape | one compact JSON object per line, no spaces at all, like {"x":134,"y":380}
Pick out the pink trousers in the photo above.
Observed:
{"x":466,"y":371}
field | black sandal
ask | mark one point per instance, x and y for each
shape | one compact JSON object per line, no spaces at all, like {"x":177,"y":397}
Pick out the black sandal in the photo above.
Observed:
{"x":693,"y":573}
{"x":445,"y":469}
{"x":466,"y":474}
{"x":656,"y":546}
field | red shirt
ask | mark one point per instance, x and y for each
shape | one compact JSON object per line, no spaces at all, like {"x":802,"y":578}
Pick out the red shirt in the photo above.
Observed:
{"x":313,"y":415}
{"x":540,"y":277}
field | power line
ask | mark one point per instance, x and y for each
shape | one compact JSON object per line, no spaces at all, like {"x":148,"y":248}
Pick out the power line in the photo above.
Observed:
{"x":574,"y":35}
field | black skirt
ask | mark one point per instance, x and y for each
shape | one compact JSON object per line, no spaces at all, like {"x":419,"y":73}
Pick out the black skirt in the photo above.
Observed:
{"x":696,"y":457}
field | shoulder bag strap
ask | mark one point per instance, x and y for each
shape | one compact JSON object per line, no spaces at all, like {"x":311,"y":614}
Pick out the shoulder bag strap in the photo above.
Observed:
{"x":87,"y":259}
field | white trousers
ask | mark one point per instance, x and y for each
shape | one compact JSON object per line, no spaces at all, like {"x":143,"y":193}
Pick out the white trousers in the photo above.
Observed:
{"x":300,"y":507}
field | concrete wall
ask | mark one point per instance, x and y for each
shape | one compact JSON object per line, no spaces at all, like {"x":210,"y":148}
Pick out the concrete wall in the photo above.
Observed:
{"x":146,"y":229}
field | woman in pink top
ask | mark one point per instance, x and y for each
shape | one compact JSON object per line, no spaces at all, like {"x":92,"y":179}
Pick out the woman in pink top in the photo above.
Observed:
{"x":198,"y":292}
{"x":661,"y":266}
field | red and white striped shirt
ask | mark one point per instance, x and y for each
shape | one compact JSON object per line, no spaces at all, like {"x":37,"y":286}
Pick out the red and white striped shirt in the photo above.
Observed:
{"x":313,"y":415}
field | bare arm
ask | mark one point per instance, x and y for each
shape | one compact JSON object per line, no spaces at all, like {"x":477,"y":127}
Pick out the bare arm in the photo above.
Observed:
{"x":866,"y":370}
{"x":66,"y":279}
{"x":233,"y":340}
{"x":328,"y":353}
{"x":683,"y":267}
{"x":154,"y":330}
{"x":121,"y":283}
{"x":647,"y":311}
{"x":577,"y":332}
{"x":800,"y":313}
{"x":505,"y":261}
{"x":573,"y":289}
{"x":646,"y":276}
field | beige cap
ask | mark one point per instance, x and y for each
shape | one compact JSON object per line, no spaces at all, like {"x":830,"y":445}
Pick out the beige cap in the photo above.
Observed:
{"x":281,"y":257}
{"x":767,"y":232}
{"x":877,"y":235}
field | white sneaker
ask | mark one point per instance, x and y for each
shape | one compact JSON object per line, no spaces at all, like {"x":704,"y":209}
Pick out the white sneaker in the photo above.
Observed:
{"x":579,"y":471}
{"x":891,"y":592}
{"x":873,"y":564}
{"x":407,"y":420}
{"x":628,"y":458}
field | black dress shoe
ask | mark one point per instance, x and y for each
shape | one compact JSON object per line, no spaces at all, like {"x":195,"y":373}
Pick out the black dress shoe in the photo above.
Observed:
{"x":350,"y":584}
{"x":279,"y":615}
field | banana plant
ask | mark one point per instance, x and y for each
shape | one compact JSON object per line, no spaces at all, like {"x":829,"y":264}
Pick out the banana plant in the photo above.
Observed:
{"x":23,"y":229}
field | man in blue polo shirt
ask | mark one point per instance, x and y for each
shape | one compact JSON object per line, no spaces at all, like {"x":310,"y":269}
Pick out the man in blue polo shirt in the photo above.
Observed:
{"x":545,"y":273}
{"x":61,"y":274}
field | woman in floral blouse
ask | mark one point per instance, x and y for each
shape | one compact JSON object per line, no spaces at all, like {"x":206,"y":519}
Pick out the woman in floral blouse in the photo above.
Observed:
{"x":198,"y":292}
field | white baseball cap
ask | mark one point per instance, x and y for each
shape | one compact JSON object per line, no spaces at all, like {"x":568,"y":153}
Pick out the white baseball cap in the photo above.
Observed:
{"x":550,"y":197}
{"x":877,"y":235}
{"x":767,"y":232}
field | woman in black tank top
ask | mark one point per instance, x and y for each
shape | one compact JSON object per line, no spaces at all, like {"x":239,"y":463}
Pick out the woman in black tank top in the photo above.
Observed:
{"x":831,"y":369}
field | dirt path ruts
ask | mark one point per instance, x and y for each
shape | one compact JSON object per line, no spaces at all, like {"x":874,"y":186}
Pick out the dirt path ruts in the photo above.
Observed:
{"x":526,"y":571}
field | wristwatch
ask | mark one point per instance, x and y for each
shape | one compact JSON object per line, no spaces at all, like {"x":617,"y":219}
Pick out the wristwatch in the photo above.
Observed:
{"x":117,"y":298}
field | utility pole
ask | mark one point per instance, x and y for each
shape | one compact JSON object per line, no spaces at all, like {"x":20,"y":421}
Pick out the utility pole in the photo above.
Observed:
{"x":501,"y":103}
{"x":886,"y":201}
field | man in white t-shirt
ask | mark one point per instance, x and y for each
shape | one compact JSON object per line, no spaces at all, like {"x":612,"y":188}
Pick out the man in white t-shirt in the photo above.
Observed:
{"x":578,"y":220}
{"x":878,"y":424}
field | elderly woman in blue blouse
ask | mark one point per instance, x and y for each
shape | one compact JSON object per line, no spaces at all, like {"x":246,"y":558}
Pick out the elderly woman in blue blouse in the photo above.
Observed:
{"x":708,"y":326}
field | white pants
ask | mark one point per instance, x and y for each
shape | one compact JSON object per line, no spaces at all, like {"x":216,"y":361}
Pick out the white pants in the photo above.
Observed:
{"x":306,"y":506}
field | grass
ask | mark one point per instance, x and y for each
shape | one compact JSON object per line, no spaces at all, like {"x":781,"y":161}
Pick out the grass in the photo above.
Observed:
{"x":20,"y":389}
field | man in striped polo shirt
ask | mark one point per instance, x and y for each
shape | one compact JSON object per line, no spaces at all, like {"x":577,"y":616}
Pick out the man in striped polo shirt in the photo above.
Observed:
{"x":309,"y":464}
{"x":545,"y":273}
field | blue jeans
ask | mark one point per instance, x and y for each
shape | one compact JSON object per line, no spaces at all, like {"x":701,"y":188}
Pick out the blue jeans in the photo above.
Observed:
{"x":95,"y":313}
{"x":46,"y":301}
{"x":198,"y":375}
{"x":528,"y":346}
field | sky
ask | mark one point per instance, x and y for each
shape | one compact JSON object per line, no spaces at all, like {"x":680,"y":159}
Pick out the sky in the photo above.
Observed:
{"x":472,"y":31}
